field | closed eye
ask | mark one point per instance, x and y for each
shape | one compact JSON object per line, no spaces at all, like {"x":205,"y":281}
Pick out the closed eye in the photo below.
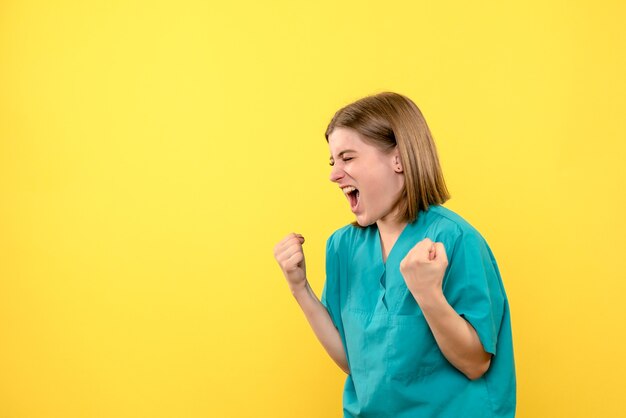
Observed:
{"x":344,"y":159}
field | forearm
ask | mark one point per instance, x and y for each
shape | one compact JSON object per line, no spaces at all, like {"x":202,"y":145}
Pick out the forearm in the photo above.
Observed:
{"x":322,"y":324}
{"x":456,"y":337}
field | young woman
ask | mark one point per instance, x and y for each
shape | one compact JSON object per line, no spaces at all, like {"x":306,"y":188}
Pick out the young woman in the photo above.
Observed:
{"x":413,"y":307}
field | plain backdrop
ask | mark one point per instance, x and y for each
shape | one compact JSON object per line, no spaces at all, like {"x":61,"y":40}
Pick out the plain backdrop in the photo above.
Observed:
{"x":153,"y":152}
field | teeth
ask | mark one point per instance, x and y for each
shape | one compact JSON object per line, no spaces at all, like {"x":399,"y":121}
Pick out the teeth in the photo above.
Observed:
{"x":348,"y":189}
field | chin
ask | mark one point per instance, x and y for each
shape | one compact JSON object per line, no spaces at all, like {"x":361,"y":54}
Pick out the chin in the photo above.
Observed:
{"x":363,"y":221}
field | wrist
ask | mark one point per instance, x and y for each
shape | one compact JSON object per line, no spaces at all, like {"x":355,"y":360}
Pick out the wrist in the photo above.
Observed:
{"x":427,"y":298}
{"x":297,"y":290}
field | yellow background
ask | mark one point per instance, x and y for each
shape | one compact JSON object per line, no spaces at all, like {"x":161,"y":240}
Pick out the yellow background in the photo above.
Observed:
{"x":152,"y":153}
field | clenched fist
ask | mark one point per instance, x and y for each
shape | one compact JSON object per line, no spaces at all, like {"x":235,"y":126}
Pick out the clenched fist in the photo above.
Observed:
{"x":424,"y":266}
{"x":290,"y":257}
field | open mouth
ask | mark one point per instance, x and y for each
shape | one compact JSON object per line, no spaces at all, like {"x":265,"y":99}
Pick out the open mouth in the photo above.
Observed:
{"x":352,"y":193}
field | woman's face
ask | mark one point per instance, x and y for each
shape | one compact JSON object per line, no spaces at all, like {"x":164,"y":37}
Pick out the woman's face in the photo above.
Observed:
{"x":371,"y":179}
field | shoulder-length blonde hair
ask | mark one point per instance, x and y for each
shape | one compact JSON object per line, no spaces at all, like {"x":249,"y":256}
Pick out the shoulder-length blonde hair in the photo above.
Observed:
{"x":387,"y":120}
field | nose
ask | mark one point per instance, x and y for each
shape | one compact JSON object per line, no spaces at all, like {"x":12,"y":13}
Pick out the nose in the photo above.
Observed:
{"x":336,"y":173}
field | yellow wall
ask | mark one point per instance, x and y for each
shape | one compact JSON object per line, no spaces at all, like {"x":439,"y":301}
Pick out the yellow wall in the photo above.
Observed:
{"x":153,"y":152}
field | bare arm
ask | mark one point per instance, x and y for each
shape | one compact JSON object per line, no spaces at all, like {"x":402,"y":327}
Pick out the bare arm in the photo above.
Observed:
{"x":322,"y":325}
{"x":423,"y":269}
{"x":456,"y":338}
{"x":290,"y":257}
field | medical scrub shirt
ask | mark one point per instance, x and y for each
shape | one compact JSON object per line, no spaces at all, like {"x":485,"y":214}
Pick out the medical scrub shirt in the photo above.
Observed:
{"x":396,"y":367}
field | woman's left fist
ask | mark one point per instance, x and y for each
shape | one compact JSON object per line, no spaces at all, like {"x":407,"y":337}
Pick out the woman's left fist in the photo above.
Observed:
{"x":424,"y":266}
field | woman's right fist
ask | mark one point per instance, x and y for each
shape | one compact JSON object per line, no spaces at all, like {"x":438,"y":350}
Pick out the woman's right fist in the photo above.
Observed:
{"x":290,"y":257}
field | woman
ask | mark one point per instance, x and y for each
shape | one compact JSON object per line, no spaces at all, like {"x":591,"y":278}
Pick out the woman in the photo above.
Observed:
{"x":413,"y":307}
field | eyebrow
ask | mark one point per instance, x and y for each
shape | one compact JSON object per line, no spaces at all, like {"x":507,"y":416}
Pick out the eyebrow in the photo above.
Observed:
{"x":341,"y":153}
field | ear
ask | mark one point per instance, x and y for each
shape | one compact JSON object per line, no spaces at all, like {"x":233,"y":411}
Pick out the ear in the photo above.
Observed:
{"x":397,"y":163}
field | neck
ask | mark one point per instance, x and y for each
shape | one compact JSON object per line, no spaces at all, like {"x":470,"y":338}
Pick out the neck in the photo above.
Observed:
{"x":388,"y":226}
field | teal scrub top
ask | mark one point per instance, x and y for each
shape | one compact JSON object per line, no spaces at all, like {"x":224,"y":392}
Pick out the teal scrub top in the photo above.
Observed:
{"x":396,"y":367}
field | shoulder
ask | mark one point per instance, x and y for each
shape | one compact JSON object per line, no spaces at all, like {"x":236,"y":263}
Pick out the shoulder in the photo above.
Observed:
{"x":451,"y":228}
{"x":339,"y":239}
{"x":449,"y":220}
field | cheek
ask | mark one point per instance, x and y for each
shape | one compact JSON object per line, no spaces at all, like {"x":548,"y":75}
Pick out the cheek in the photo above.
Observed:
{"x":374,"y":190}
{"x":382,"y":188}
{"x":360,"y":176}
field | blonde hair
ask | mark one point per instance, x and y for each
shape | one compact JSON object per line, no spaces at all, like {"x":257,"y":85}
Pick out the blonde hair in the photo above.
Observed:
{"x":387,"y":120}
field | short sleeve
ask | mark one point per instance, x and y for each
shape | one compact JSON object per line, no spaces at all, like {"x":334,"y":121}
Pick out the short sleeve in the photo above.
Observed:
{"x":473,"y":287}
{"x":330,"y":295}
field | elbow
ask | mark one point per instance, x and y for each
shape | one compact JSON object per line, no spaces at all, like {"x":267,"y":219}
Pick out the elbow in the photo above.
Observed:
{"x":343,"y":364}
{"x":345,"y":368}
{"x":477,"y":370}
